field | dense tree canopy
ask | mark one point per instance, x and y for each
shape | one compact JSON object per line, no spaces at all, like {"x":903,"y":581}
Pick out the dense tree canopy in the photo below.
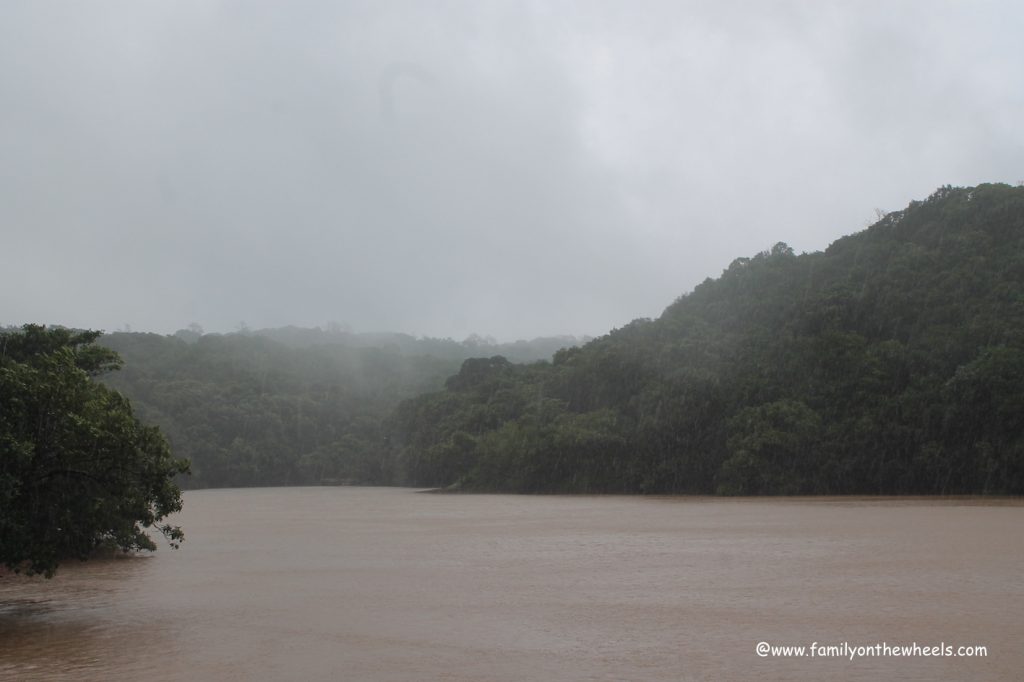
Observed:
{"x":893,"y":362}
{"x":287,"y":406}
{"x":77,"y":470}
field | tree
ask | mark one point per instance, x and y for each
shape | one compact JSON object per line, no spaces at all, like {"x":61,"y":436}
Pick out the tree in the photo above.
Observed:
{"x":78,"y":471}
{"x":772,"y":449}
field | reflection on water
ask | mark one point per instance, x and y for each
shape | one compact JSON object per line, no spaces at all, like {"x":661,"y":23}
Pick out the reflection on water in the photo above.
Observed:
{"x":390,"y":584}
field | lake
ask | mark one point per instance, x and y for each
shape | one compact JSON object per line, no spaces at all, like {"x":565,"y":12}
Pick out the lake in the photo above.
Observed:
{"x":393,"y":584}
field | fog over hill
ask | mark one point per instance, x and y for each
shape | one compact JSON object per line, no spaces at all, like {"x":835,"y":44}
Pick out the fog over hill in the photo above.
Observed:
{"x":289,"y":405}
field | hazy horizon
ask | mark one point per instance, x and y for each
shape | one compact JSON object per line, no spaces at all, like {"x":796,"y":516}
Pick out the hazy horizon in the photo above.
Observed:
{"x":513,"y":170}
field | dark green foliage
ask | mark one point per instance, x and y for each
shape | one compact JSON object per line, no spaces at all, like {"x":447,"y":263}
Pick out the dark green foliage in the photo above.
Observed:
{"x":288,"y":406}
{"x":77,"y":470}
{"x":893,"y":362}
{"x":249,"y":411}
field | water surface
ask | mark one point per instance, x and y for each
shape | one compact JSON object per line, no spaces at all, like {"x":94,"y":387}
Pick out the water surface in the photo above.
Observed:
{"x":391,"y":584}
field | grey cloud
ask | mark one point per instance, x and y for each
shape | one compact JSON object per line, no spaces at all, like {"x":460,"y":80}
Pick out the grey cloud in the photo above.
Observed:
{"x":443,"y":168}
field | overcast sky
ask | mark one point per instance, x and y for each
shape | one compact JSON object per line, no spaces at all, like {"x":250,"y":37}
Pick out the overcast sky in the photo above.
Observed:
{"x":440,"y":168}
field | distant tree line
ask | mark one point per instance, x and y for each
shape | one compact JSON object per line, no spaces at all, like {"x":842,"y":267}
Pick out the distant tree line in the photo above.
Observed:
{"x":287,"y":406}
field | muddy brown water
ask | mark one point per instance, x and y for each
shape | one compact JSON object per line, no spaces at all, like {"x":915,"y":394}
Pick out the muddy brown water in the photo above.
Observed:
{"x":392,"y":584}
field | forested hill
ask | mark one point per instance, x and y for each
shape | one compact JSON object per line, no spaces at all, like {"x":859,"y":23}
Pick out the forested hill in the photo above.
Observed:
{"x":287,"y":406}
{"x":892,"y":362}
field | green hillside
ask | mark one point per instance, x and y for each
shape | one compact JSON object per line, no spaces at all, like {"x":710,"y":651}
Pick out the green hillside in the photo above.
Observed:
{"x":892,"y":362}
